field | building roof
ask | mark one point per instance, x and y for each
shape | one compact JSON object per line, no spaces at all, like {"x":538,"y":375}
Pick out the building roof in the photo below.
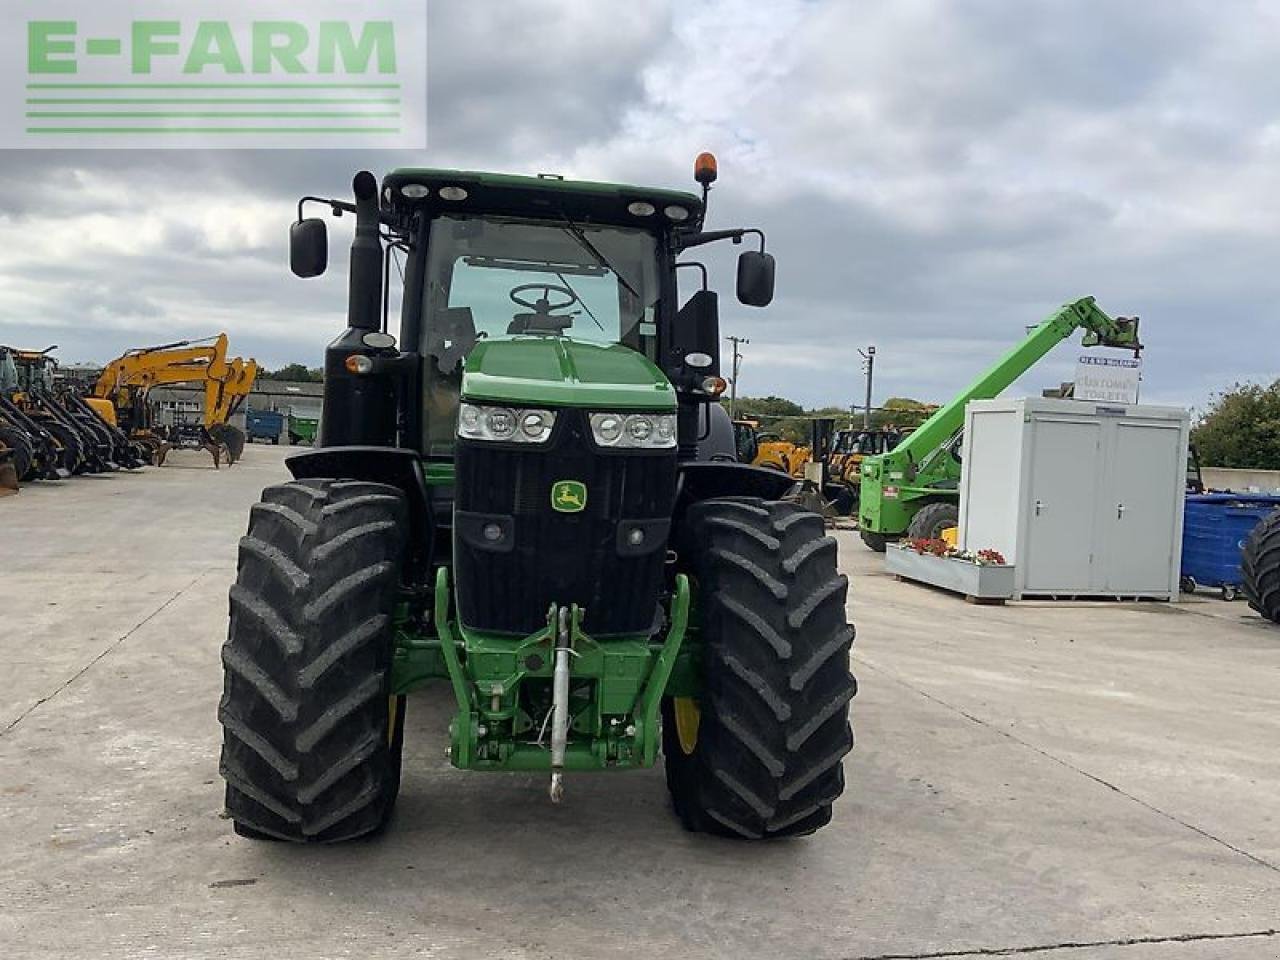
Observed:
{"x":282,"y":389}
{"x":290,"y":388}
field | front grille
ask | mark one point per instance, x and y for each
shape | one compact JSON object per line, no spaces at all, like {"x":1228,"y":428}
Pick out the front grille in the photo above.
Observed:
{"x":546,"y":557}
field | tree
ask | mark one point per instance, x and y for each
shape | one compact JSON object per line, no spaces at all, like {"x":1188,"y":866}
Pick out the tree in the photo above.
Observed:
{"x":769,"y":406}
{"x":790,"y":421}
{"x":1241,"y":428}
{"x":296,"y":372}
{"x":777,"y":415}
{"x":902,"y":412}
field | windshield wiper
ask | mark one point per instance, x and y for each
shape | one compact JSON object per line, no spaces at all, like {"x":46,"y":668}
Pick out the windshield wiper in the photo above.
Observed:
{"x":568,"y":286}
{"x":577,"y":233}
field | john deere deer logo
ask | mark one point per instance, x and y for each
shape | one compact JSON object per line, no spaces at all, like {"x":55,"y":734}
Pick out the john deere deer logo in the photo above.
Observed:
{"x":568,"y":496}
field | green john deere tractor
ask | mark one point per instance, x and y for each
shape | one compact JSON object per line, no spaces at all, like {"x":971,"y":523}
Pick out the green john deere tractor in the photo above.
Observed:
{"x":535,"y":497}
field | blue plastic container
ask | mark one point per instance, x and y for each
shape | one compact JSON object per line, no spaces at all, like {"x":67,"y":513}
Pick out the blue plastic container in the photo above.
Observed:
{"x":1214,"y":529}
{"x":264,"y":425}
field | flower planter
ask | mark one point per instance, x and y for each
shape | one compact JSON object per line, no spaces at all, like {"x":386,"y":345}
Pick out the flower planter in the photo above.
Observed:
{"x":979,"y":583}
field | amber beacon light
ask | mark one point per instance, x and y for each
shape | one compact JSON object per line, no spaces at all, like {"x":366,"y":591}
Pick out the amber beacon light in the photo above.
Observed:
{"x":704,"y":169}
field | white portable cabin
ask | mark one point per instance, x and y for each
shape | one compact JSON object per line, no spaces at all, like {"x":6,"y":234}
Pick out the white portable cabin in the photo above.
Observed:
{"x":1083,"y":498}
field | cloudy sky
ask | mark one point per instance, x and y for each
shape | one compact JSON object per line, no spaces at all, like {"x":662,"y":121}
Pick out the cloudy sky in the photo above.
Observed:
{"x":933,"y":175}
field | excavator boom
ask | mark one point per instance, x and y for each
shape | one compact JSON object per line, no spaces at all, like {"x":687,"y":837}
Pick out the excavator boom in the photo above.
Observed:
{"x":174,"y":363}
{"x":126,"y":381}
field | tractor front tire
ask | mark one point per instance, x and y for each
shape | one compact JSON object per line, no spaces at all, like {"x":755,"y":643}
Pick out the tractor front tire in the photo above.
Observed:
{"x":1260,"y":564}
{"x":931,"y":519}
{"x":312,"y":735}
{"x":761,"y":757}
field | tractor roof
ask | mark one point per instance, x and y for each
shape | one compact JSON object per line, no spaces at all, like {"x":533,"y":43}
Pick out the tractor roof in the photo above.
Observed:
{"x":545,"y":196}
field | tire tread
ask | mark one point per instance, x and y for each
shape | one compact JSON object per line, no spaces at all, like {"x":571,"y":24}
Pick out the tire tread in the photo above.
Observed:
{"x":774,"y":725}
{"x":1260,"y":567}
{"x":307,"y":754}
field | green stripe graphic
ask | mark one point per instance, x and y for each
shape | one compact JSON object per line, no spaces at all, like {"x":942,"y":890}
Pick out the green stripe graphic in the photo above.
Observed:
{"x":263,"y":130}
{"x":170,"y":115}
{"x":228,"y":100}
{"x":147,"y":85}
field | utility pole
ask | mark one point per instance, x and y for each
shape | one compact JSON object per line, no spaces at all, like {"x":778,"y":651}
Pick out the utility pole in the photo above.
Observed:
{"x":733,"y":381}
{"x":868,"y":366}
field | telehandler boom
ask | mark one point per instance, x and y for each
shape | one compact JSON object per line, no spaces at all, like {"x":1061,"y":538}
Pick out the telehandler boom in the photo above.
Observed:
{"x":914,"y":488}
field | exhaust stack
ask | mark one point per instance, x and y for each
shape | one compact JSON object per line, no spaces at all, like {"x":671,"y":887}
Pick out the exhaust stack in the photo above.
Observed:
{"x":364,"y":303}
{"x":360,"y":406}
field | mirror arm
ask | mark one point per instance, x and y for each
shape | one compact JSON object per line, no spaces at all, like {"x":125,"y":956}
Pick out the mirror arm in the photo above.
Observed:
{"x":700,"y":266}
{"x":708,"y":236}
{"x":711,"y":236}
{"x":338,"y":207}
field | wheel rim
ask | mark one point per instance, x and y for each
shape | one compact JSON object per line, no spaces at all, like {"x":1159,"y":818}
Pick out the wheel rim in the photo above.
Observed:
{"x":688,"y":717}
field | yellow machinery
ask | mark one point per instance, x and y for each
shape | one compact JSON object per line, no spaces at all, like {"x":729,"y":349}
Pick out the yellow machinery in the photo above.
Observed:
{"x":852,"y":445}
{"x":769,"y":449}
{"x":121,"y":391}
{"x":8,"y":473}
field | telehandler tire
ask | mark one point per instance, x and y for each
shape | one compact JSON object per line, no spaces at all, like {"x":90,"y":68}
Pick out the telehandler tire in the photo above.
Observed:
{"x":875,"y":541}
{"x":758,"y":755}
{"x":1260,"y":564}
{"x":312,"y":736}
{"x":931,"y":519}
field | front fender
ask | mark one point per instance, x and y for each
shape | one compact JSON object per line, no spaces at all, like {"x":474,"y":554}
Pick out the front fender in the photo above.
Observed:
{"x":393,"y":466}
{"x":703,"y":480}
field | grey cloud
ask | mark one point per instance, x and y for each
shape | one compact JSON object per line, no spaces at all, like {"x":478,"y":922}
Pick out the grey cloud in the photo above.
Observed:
{"x":933,"y":177}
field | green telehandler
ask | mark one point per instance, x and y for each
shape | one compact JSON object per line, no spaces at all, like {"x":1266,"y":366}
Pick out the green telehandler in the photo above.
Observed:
{"x":914,"y":489}
{"x":532,"y":495}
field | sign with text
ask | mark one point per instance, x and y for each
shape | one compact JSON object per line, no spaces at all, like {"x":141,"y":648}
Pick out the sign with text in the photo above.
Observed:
{"x":1109,"y":379}
{"x":214,"y":73}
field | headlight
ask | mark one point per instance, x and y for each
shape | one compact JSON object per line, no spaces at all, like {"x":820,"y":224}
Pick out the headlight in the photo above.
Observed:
{"x":536,"y":424}
{"x":477,"y":422}
{"x":607,"y":427}
{"x":646,"y":431}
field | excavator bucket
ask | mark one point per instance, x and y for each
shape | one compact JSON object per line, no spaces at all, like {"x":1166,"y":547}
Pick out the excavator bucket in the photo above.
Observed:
{"x":158,"y":450}
{"x":233,"y":438}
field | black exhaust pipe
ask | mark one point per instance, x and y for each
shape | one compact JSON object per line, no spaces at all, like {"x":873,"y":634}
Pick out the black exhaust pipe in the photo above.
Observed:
{"x":364,"y":303}
{"x":360,"y":408}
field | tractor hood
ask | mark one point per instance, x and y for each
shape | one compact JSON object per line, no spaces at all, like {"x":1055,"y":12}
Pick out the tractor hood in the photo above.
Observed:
{"x":561,"y":372}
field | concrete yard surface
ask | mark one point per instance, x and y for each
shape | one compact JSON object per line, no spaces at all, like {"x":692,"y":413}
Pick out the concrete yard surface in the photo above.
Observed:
{"x":1069,"y":781}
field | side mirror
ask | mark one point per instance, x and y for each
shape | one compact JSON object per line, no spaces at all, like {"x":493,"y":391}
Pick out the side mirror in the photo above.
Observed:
{"x":755,"y":278}
{"x":308,"y":247}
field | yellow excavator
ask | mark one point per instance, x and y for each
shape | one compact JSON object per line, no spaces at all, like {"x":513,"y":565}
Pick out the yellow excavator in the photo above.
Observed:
{"x":121,"y":392}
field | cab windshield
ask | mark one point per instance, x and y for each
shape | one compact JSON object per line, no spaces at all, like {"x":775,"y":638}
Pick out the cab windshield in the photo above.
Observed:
{"x":493,"y":277}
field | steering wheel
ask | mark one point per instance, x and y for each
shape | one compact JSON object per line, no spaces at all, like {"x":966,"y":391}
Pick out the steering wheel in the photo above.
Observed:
{"x":541,"y":319}
{"x":543,"y":304}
